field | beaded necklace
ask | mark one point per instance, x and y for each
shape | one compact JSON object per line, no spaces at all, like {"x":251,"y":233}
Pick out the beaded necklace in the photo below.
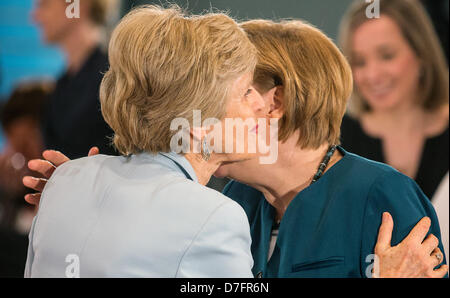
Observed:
{"x":323,"y":165}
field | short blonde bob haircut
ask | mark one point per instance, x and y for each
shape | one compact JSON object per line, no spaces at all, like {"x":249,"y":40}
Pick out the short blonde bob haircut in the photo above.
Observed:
{"x":315,"y":76}
{"x":418,"y":31}
{"x":164,"y":65}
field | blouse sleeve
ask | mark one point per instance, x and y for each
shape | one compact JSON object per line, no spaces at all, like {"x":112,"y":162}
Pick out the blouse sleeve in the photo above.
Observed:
{"x":399,"y":195}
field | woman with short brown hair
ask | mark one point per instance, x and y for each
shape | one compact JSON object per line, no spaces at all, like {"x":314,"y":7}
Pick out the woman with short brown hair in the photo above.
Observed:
{"x":316,"y":211}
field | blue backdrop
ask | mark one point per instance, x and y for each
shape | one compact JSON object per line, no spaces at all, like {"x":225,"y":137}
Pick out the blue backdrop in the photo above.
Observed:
{"x":23,"y":56}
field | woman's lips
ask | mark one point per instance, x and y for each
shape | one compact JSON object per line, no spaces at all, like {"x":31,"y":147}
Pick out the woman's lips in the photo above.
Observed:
{"x":380,"y":91}
{"x":255,"y":129}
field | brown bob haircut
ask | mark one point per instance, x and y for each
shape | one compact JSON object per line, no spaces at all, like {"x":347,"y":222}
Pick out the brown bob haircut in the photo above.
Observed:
{"x":418,"y":31}
{"x":315,"y":76}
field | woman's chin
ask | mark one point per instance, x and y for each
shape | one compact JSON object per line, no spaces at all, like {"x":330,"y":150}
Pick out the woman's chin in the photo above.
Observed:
{"x":239,"y":157}
{"x":220,"y":173}
{"x":233,"y":161}
{"x":384,"y":103}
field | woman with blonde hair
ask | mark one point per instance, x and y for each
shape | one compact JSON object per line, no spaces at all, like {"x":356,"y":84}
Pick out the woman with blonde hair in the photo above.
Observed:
{"x":398,"y":112}
{"x":147,"y":213}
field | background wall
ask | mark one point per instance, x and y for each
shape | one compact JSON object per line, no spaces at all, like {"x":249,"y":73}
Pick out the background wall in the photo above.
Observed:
{"x":325,"y":14}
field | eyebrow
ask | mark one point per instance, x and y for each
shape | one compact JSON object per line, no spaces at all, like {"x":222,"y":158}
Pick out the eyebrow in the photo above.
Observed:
{"x":382,"y":47}
{"x":386,"y":47}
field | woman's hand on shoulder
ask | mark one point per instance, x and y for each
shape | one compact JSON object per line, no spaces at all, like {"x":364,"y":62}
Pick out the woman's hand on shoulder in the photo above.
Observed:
{"x":416,"y":256}
{"x":46,"y":167}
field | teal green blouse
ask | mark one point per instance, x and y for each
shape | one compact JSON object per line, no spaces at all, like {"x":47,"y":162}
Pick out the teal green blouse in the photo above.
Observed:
{"x":330,"y":228}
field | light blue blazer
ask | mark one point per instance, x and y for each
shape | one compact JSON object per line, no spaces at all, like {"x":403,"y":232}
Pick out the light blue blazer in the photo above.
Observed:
{"x":138,"y":216}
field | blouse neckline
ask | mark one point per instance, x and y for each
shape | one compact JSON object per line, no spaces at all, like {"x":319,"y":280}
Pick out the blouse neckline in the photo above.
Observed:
{"x":310,"y":188}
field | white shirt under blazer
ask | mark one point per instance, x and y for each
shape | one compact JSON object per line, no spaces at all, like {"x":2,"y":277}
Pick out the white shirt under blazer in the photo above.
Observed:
{"x":139,"y":216}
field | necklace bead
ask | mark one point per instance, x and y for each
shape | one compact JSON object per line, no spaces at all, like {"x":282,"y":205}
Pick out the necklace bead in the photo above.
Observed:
{"x":323,"y":165}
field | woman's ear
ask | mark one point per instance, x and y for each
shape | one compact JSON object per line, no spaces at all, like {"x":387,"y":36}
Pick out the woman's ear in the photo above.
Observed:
{"x":198,"y":134}
{"x":274,"y":101}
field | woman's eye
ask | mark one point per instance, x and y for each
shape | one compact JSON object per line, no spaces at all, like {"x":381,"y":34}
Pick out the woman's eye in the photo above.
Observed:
{"x":358,"y":62}
{"x":248,"y":92}
{"x":387,"y":56}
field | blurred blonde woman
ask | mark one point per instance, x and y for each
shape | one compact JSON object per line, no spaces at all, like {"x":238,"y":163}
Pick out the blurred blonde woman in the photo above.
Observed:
{"x":147,"y":213}
{"x":398,"y":113}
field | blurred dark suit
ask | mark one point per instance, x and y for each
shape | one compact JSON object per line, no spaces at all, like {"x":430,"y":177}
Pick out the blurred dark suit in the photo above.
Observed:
{"x":73,"y":122}
{"x":438,"y":11}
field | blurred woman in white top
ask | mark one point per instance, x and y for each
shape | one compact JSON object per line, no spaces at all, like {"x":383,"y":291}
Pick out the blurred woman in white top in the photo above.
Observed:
{"x":441,"y":204}
{"x":147,"y":213}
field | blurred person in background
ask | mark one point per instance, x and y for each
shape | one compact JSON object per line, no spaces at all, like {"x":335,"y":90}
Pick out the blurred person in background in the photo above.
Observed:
{"x":399,"y":110}
{"x":72,"y":120}
{"x":398,"y":113}
{"x":20,"y":119}
{"x":441,"y":204}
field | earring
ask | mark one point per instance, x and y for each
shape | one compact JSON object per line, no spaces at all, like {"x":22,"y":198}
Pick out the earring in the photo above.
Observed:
{"x":206,"y":151}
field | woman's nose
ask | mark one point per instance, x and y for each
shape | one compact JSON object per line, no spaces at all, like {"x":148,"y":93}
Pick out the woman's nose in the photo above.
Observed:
{"x":373,"y":72}
{"x":258,"y":105}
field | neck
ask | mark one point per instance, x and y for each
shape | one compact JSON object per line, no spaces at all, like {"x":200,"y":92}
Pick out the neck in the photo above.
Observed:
{"x":203,"y":169}
{"x":406,"y":118}
{"x":78,"y":45}
{"x":292,"y":173}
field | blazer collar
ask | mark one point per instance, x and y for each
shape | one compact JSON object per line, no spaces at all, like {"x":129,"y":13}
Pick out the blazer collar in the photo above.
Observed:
{"x":182,"y":164}
{"x":172,"y":160}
